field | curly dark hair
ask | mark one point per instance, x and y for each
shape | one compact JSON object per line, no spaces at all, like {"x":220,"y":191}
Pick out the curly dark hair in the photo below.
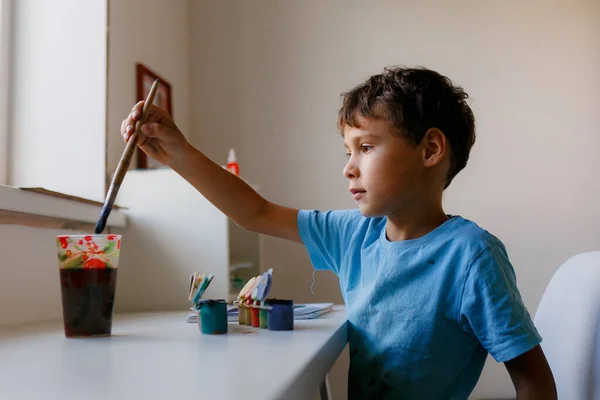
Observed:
{"x":412,"y":101}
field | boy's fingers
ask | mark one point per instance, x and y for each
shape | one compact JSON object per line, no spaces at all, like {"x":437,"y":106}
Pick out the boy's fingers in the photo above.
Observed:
{"x":125,"y":129}
{"x":151,"y":129}
{"x":130,"y":123}
{"x":136,"y":111}
{"x":155,"y":114}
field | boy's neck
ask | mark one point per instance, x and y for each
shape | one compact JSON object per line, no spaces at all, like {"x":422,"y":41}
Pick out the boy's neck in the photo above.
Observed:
{"x":414,"y":224}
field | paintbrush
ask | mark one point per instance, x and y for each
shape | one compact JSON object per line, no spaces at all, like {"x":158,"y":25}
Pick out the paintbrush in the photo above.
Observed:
{"x":124,"y":162}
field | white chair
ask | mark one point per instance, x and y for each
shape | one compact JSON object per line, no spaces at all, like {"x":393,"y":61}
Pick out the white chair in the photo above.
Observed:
{"x":568,"y":320}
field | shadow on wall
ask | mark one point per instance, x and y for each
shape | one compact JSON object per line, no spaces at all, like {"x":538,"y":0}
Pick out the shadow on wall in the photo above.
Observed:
{"x":145,"y":271}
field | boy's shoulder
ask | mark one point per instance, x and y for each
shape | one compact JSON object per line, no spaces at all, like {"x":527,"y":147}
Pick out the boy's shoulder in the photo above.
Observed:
{"x":456,"y":229}
{"x":464,"y":236}
{"x":469,"y":231}
{"x":455,"y":235}
{"x":457,"y":232}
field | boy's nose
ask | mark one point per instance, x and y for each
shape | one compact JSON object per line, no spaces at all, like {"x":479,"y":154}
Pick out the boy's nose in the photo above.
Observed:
{"x":350,"y":171}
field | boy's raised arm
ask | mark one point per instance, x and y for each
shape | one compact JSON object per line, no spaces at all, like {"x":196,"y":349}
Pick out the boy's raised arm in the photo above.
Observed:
{"x":235,"y":198}
{"x":161,"y":139}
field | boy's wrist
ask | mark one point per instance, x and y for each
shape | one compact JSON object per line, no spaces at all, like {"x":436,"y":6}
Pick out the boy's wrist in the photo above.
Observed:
{"x":181,"y":157}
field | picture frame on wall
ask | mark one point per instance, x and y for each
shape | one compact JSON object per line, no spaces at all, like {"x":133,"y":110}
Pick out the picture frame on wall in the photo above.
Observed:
{"x":145,"y":77}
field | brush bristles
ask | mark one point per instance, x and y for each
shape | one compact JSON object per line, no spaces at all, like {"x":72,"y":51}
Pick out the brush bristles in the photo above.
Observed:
{"x":101,"y":224}
{"x":99,"y":227}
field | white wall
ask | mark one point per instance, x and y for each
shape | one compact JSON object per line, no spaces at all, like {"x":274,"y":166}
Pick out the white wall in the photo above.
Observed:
{"x":217,"y":67}
{"x":267,"y":79}
{"x":173,"y":232}
{"x":5,"y":23}
{"x":155,"y":33}
{"x":58,"y":93}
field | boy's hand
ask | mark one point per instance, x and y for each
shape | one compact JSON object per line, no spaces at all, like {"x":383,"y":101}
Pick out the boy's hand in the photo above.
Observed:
{"x":159,"y":137}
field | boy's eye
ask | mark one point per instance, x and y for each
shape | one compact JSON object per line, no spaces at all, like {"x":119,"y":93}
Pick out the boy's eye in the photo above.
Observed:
{"x":365,"y":148}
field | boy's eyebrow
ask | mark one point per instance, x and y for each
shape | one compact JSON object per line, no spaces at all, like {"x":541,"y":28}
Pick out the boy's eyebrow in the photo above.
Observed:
{"x":365,"y":136}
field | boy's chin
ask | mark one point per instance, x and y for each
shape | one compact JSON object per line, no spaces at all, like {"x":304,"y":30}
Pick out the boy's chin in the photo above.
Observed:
{"x":370,"y":212}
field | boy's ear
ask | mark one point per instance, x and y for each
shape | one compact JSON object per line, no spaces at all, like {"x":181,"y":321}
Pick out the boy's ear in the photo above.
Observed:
{"x":435,"y":147}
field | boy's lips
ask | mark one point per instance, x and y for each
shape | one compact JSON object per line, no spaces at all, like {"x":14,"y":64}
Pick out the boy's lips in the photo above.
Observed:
{"x":357,"y":193}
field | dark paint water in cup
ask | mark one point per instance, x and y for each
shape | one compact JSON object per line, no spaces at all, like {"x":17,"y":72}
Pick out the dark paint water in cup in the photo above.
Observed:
{"x":88,"y":298}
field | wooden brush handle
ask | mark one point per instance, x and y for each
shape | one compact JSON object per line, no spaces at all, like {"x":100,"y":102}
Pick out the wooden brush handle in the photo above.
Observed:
{"x":130,"y":148}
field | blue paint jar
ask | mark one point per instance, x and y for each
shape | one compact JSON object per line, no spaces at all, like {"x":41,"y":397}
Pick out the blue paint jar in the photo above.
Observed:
{"x":213,"y":317}
{"x":281,"y":315}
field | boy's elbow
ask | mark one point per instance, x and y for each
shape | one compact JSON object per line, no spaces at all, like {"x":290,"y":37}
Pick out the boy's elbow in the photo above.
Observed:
{"x":254,"y":220}
{"x":250,"y":218}
{"x":274,"y":220}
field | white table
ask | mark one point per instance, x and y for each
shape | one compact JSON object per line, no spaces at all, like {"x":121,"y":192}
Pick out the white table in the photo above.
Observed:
{"x":160,"y":356}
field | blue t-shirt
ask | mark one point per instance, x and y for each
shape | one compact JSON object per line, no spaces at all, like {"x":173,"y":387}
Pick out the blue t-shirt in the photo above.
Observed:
{"x":424,"y":313}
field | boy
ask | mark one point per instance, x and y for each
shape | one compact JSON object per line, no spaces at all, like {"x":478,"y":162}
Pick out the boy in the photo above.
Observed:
{"x":428,"y":295}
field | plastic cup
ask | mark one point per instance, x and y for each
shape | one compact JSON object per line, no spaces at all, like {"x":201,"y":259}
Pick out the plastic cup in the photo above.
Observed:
{"x":88,"y":267}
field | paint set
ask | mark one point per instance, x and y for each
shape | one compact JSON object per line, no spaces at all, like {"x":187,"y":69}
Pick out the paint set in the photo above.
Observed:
{"x":254,"y":307}
{"x":257,"y":310}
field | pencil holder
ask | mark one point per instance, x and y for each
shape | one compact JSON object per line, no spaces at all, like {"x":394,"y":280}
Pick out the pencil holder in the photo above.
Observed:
{"x":213,"y":317}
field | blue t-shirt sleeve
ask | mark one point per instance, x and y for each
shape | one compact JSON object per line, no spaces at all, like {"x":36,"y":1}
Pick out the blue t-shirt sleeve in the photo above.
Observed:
{"x":492,"y":308}
{"x":327,"y":235}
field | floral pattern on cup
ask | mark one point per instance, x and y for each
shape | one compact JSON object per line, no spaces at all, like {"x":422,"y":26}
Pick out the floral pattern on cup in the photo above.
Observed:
{"x":89,"y":251}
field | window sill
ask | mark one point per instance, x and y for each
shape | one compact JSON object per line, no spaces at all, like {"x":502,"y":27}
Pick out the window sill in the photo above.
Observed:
{"x":44,"y":209}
